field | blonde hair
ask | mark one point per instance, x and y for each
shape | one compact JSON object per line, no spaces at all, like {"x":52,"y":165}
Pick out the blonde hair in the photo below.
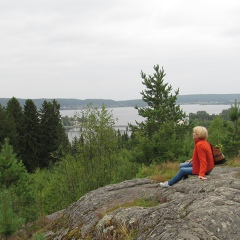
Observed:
{"x":201,"y":132}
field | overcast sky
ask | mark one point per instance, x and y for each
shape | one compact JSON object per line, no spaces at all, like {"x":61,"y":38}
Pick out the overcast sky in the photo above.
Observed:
{"x":97,"y":48}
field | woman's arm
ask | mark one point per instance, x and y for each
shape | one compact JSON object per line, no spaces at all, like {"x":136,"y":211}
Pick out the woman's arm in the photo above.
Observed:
{"x":202,"y":156}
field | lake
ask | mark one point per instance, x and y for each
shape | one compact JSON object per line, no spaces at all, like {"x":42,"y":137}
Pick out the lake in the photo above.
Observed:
{"x":125,"y":115}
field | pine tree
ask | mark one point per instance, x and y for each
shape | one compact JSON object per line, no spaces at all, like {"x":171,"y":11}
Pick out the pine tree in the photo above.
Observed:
{"x":14,"y":177}
{"x":162,"y":107}
{"x":11,"y":170}
{"x":9,"y":221}
{"x":157,"y":137}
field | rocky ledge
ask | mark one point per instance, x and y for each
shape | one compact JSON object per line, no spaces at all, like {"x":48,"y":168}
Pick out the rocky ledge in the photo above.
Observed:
{"x":192,"y":209}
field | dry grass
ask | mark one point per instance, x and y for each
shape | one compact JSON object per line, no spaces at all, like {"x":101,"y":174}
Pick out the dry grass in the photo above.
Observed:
{"x":234,"y":162}
{"x":125,"y":232}
{"x":164,"y":171}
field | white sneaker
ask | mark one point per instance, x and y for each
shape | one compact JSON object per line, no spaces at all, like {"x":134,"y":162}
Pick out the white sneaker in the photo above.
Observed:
{"x":164,"y":184}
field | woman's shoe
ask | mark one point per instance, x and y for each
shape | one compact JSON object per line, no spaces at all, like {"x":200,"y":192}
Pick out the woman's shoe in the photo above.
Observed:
{"x":164,"y":184}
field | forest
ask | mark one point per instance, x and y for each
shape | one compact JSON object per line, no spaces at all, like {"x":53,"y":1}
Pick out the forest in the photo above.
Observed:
{"x":41,"y":172}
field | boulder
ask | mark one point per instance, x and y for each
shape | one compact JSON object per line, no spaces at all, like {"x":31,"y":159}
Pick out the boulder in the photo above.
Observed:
{"x":191,"y":209}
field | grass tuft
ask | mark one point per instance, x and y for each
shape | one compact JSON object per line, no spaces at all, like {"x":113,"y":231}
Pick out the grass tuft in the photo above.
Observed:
{"x":234,"y":162}
{"x":159,"y":172}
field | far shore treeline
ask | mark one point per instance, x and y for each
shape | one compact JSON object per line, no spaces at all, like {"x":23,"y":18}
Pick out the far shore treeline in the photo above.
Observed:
{"x":70,"y":103}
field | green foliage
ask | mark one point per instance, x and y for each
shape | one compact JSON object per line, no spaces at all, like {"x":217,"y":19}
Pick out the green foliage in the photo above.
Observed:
{"x":38,"y":236}
{"x":234,"y":112}
{"x":39,"y":140}
{"x":9,"y":221}
{"x":7,"y":128}
{"x":70,"y":121}
{"x":223,"y":128}
{"x":162,"y":107}
{"x":201,"y":118}
{"x":99,"y":143}
{"x":156,"y":139}
{"x":53,"y":138}
{"x":14,"y":177}
{"x":31,"y":153}
{"x":68,"y":180}
{"x":59,"y":186}
{"x":225,"y":114}
{"x":225,"y":132}
{"x":217,"y":131}
{"x":41,"y":180}
{"x":95,"y":160}
{"x":234,"y":115}
{"x":11,"y":170}
{"x":15,"y":112}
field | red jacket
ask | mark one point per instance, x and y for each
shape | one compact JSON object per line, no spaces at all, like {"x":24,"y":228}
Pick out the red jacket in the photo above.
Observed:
{"x":202,"y":158}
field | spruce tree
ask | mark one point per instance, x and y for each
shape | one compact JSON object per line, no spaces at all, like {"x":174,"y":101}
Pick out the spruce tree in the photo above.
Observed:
{"x":15,"y":111}
{"x":53,"y":138}
{"x":7,"y":128}
{"x":31,"y":152}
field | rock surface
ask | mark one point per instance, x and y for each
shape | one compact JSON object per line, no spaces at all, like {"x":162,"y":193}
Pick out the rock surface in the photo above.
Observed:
{"x":192,"y":209}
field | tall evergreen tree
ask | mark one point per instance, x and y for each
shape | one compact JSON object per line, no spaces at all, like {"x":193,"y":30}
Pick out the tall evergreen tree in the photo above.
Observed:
{"x":53,"y":138}
{"x":7,"y":128}
{"x":162,"y":107}
{"x":31,"y":152}
{"x":15,"y":111}
{"x":161,"y":128}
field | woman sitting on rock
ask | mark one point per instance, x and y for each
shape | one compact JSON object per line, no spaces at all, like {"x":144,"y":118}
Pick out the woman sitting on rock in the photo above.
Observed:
{"x":200,"y":164}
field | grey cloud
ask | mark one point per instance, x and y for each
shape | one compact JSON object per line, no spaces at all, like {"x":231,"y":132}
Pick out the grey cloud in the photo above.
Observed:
{"x":98,"y":46}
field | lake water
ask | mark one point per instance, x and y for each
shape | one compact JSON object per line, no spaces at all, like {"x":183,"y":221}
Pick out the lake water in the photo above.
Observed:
{"x":125,"y":115}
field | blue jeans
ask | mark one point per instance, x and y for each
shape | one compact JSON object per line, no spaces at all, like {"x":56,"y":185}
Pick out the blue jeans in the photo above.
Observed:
{"x":184,"y":171}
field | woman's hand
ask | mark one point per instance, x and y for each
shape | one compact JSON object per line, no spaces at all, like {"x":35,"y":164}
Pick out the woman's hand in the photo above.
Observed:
{"x":201,"y":177}
{"x":189,"y":161}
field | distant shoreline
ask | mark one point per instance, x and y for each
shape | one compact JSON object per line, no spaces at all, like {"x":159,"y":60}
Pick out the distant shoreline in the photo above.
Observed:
{"x":74,"y":104}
